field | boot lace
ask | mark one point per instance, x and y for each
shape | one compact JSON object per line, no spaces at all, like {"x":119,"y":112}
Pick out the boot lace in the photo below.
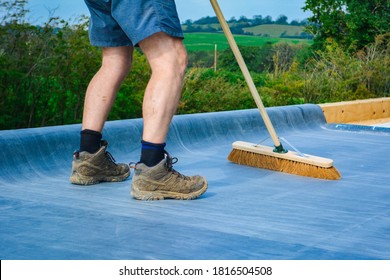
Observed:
{"x":107,"y":153}
{"x":169,"y":165}
{"x":110,"y":157}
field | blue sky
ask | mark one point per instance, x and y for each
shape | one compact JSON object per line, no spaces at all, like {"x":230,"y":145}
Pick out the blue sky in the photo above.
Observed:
{"x":188,"y":9}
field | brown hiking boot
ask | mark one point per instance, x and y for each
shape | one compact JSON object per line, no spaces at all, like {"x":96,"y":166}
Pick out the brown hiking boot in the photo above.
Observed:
{"x":162,"y":181}
{"x":88,"y":169}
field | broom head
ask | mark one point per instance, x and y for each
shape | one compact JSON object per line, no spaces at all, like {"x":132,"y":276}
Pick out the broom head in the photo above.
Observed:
{"x":291,"y":162}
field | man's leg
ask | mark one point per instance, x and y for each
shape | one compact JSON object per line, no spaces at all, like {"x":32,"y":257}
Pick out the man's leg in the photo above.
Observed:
{"x":168,"y":60}
{"x":167,"y":57}
{"x":102,"y":90}
{"x":101,"y":93}
{"x":92,"y":164}
{"x":154,"y":176}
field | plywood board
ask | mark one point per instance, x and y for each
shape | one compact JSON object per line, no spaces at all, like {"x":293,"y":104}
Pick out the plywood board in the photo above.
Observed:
{"x":357,"y":111}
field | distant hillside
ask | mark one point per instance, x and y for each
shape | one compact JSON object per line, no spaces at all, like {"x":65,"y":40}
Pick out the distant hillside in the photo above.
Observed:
{"x":207,"y":41}
{"x":263,"y":30}
{"x":275,"y":30}
{"x":210,"y":27}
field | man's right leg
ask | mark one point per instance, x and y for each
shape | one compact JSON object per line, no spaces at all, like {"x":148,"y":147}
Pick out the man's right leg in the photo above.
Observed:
{"x":154,"y":176}
{"x":92,"y":163}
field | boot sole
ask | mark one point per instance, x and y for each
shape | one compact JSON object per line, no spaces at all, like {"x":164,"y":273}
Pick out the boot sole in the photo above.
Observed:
{"x":161,"y":195}
{"x":79,"y":179}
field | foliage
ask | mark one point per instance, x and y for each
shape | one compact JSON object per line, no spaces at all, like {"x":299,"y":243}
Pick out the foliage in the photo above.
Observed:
{"x":295,"y":76}
{"x":333,"y":75}
{"x":200,"y":59}
{"x":266,"y":58}
{"x":45,"y":70}
{"x":42,"y":76}
{"x":209,"y":91}
{"x":351,"y":23}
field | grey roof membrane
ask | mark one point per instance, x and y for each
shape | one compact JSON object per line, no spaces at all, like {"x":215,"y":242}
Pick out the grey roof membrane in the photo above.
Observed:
{"x":247,"y":213}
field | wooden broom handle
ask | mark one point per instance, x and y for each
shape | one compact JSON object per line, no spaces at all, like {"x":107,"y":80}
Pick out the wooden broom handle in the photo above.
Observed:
{"x":245,"y":72}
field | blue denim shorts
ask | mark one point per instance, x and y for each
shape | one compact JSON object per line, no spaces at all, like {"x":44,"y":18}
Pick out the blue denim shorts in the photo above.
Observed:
{"x":117,"y":23}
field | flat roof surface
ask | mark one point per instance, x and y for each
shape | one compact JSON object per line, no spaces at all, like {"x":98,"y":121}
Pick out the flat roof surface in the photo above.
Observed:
{"x":247,"y":213}
{"x":384,"y":124}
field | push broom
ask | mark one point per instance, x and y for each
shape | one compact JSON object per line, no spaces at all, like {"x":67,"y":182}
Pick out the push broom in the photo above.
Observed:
{"x":274,"y":158}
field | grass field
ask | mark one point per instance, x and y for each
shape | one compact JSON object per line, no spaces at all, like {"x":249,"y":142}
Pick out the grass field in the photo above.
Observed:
{"x":207,"y":41}
{"x":275,"y":30}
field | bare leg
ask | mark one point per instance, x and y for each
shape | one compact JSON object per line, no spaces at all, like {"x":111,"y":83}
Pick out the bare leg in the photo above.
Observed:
{"x":168,"y":60}
{"x":102,"y":90}
{"x":100,"y":96}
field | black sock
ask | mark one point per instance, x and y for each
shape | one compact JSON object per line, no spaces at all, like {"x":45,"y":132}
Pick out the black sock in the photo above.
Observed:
{"x":152,"y":154}
{"x":90,"y":141}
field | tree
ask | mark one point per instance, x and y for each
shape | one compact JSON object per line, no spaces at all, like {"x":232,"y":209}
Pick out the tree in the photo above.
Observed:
{"x":45,"y":70}
{"x":188,"y":22}
{"x":258,"y":58}
{"x":257,"y":20}
{"x":282,"y":19}
{"x":351,"y":23}
{"x":243,"y":19}
{"x":207,"y":20}
{"x":367,"y":19}
{"x":295,"y":22}
{"x":268,"y":20}
{"x":12,"y":12}
{"x":232,"y":20}
{"x":328,"y":20}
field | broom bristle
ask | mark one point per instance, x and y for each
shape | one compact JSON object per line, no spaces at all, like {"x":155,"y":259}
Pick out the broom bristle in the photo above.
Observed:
{"x":283,"y":165}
